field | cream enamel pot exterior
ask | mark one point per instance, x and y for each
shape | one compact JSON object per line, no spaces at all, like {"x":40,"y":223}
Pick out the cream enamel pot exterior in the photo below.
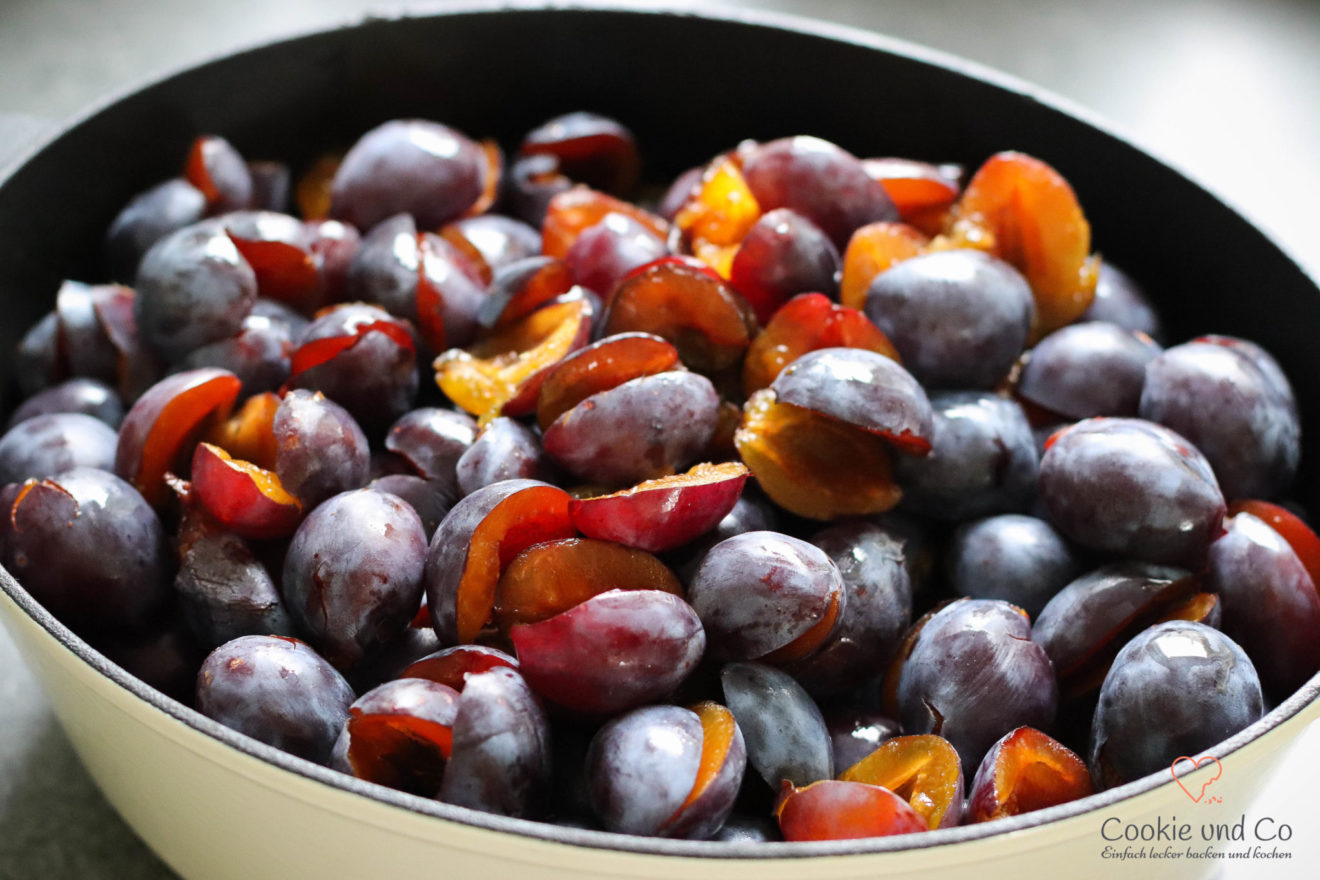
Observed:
{"x":215,"y":804}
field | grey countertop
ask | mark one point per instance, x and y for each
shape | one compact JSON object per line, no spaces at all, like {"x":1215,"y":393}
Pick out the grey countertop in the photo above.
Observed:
{"x":1227,"y":90}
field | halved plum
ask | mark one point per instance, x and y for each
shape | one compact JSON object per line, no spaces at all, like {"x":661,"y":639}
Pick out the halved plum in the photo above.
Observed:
{"x":521,"y":288}
{"x":613,"y":652}
{"x":219,"y":172}
{"x":492,"y":241}
{"x":1026,"y":770}
{"x":924,"y":770}
{"x":552,"y":577}
{"x":477,"y":540}
{"x":591,"y":148}
{"x":512,"y":363}
{"x":278,"y":247}
{"x":246,"y":499}
{"x":599,"y":367}
{"x":641,"y":767}
{"x":765,"y":595}
{"x":1023,"y":211}
{"x":813,"y":465}
{"x":574,"y":210}
{"x":807,"y":322}
{"x":863,"y":389}
{"x":836,"y":810}
{"x":165,"y":422}
{"x":719,"y":775}
{"x":361,"y":357}
{"x":1086,"y":623}
{"x":452,"y":666}
{"x":1304,"y":542}
{"x":1270,"y":598}
{"x":501,"y":758}
{"x":921,"y":191}
{"x":249,"y":433}
{"x":401,"y":735}
{"x":662,"y":514}
{"x":645,"y":428}
{"x":680,"y":299}
{"x":718,"y":213}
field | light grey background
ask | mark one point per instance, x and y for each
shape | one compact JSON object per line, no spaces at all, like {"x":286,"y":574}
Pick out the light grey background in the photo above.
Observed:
{"x":1227,"y":90}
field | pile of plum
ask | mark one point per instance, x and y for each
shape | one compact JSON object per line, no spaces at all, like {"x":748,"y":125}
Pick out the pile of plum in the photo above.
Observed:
{"x":463,"y":474}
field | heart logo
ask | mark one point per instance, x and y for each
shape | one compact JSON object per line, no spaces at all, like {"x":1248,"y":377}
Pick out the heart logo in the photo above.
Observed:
{"x":1197,"y":764}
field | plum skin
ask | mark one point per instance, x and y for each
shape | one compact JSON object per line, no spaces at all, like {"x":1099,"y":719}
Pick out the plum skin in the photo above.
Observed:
{"x":1176,"y":689}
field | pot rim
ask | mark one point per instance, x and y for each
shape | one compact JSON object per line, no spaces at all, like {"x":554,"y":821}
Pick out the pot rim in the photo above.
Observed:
{"x":602,"y":840}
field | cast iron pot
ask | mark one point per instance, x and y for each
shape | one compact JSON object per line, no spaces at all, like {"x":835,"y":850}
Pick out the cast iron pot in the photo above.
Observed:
{"x":215,"y":804}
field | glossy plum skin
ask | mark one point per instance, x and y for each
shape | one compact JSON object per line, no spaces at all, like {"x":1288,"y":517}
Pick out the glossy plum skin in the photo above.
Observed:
{"x":664,"y":514}
{"x":353,"y":574}
{"x":1035,"y":772}
{"x":855,"y":734}
{"x":818,"y":180}
{"x":1271,"y":605}
{"x":259,"y":353}
{"x":428,"y":498}
{"x":461,"y":574}
{"x":216,"y":168}
{"x":86,"y":396}
{"x":375,"y":377}
{"x":148,"y":217}
{"x":615,"y":651}
{"x":193,"y":288}
{"x":1085,"y":370}
{"x":589,"y":148}
{"x":604,"y":253}
{"x":498,"y":239}
{"x":783,"y":254}
{"x":505,"y":450}
{"x":973,"y":675}
{"x":276,"y":690}
{"x":1176,"y":689}
{"x":1014,"y":557}
{"x":641,"y":767}
{"x":87,"y":546}
{"x":433,"y":440}
{"x":785,"y":732}
{"x":959,"y":318}
{"x":451,"y":666}
{"x":759,"y":591}
{"x":43,"y":446}
{"x":838,"y":810}
{"x":861,"y":388}
{"x":224,"y":591}
{"x":36,"y":359}
{"x":1120,"y":301}
{"x":1082,"y":627}
{"x":875,"y":614}
{"x":415,"y":166}
{"x":385,"y":268}
{"x":321,"y":449}
{"x":982,"y":460}
{"x":1132,"y":488}
{"x":645,"y":428}
{"x":1233,"y":409}
{"x":501,"y":759}
{"x":399,"y":734}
